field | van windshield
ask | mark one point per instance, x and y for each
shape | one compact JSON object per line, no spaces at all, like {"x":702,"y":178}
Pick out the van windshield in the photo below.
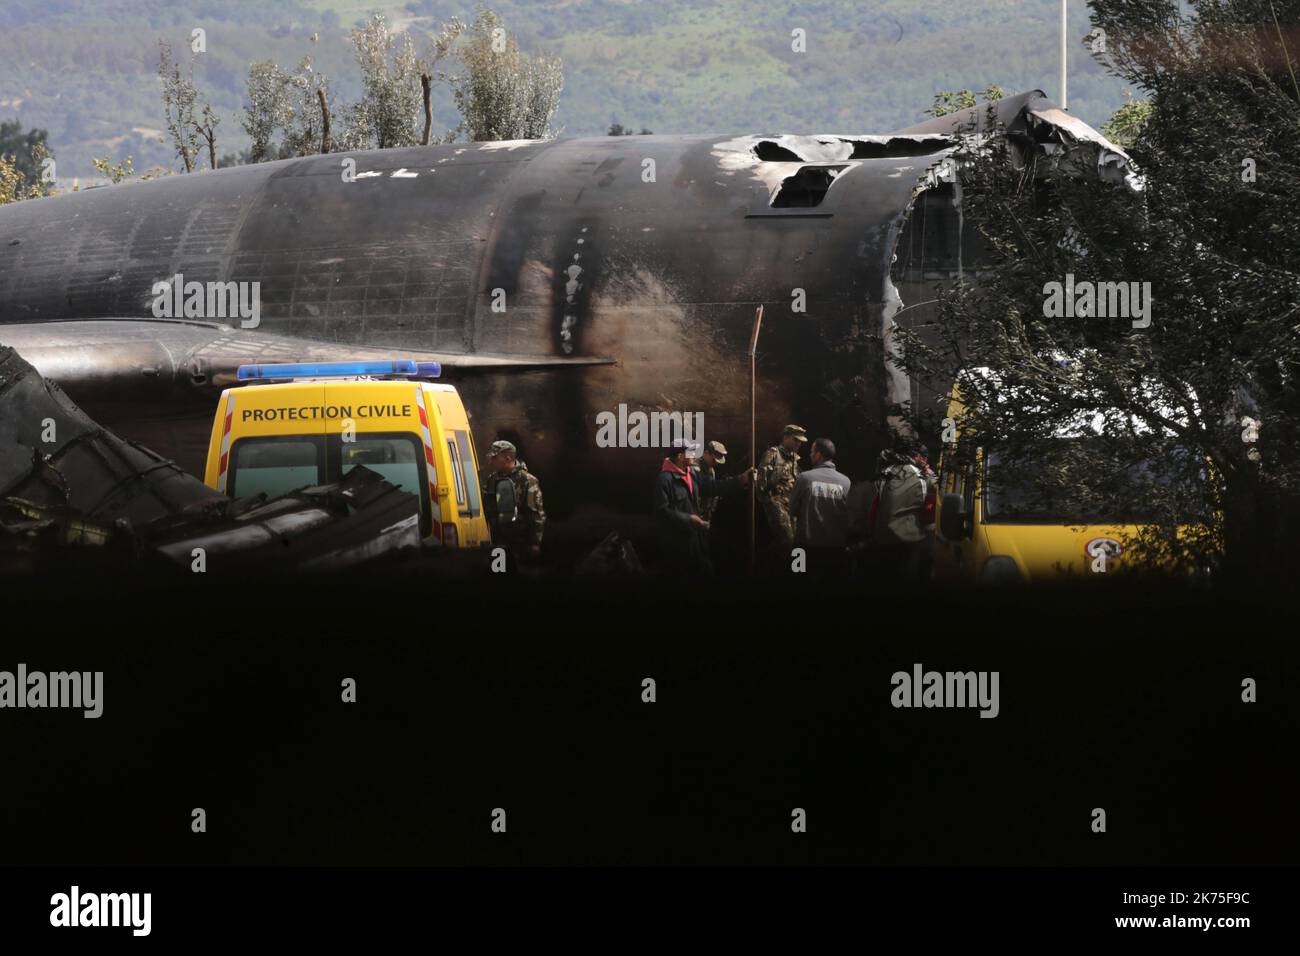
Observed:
{"x":1039,"y":490}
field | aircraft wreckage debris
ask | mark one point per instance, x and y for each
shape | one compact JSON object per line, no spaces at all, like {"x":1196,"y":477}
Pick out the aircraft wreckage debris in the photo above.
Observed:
{"x":85,"y":498}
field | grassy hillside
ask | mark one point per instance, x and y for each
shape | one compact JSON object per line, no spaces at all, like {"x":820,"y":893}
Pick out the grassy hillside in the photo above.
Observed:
{"x":85,"y":68}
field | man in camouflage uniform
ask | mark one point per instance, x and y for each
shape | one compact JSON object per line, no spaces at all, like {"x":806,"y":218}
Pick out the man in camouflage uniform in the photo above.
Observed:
{"x":715,"y":453}
{"x":777,"y":471}
{"x":523,"y":536}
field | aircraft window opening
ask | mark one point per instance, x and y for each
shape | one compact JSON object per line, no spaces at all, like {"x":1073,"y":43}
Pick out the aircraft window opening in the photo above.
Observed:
{"x":807,"y":187}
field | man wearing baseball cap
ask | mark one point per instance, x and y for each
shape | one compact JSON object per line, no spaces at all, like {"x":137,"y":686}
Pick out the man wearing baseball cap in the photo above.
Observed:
{"x":714,"y":454}
{"x":521,"y":533}
{"x":678,"y":490}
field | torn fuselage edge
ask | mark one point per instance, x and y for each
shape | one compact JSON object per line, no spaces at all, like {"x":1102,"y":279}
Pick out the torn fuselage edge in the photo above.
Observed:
{"x":1113,"y":165}
{"x":898,"y":385}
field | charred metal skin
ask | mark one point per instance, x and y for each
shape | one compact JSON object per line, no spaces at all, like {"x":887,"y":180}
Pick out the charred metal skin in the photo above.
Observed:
{"x":555,"y":281}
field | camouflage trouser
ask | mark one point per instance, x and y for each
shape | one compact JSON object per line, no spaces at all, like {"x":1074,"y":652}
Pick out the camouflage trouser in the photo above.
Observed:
{"x":778,"y":519}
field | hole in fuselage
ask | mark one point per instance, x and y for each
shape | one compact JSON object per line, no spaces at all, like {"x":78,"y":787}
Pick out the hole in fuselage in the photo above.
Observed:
{"x":807,"y":187}
{"x":895,"y":147}
{"x":771,"y":152}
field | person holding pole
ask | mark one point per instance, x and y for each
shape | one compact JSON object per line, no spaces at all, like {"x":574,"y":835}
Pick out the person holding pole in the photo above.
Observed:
{"x":675,"y":503}
{"x":776,"y":477}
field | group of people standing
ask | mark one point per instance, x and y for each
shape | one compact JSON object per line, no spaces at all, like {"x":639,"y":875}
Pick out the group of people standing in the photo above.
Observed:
{"x":882,"y":526}
{"x":885,"y":525}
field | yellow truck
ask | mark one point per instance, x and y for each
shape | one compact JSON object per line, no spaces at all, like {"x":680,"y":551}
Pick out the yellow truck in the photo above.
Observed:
{"x":992,"y":531}
{"x":296,"y":425}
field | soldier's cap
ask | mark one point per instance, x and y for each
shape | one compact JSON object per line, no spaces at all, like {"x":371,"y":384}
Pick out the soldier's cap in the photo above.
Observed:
{"x":718,"y":450}
{"x":796,"y":431}
{"x":502,"y":448}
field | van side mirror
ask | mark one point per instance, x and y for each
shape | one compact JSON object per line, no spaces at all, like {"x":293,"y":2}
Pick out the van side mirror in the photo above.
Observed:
{"x":952,"y":518}
{"x":507,"y":508}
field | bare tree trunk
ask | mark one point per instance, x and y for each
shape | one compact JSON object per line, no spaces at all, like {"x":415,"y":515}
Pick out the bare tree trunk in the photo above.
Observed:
{"x":212,"y":150}
{"x":428,"y":109}
{"x":325,"y":143}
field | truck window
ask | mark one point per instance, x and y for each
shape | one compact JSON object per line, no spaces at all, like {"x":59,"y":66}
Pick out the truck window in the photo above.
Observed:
{"x":275,"y":466}
{"x":1032,"y":491}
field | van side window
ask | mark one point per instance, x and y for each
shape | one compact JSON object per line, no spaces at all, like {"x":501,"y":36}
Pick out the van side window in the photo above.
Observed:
{"x":457,"y":473}
{"x":470,"y":476}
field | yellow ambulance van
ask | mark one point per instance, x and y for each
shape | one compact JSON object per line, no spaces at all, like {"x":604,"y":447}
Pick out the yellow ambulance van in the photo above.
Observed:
{"x":296,"y":425}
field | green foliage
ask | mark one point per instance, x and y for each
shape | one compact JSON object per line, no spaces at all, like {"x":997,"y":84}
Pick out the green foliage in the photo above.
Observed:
{"x":266,"y":109}
{"x":298,"y":105}
{"x":505,"y":93}
{"x":1215,"y":230}
{"x":21,"y":148}
{"x":1124,"y":128}
{"x":955,"y":102}
{"x":115,"y":172}
{"x":302,"y":116}
{"x":385,"y":116}
{"x":179,"y":97}
{"x":15,"y":186}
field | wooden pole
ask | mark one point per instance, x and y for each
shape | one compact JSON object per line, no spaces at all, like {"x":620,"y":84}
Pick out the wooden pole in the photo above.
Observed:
{"x":753,"y":431}
{"x":1065,"y":57}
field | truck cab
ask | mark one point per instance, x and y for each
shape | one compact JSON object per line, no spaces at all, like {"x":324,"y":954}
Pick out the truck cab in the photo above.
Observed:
{"x":991,"y":528}
{"x":296,"y":425}
{"x":989,"y":533}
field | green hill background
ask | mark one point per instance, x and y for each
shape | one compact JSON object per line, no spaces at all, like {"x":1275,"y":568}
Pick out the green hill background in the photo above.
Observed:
{"x":85,"y":69}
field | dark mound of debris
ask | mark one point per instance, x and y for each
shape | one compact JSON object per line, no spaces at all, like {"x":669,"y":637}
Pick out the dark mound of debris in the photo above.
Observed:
{"x":75,"y":498}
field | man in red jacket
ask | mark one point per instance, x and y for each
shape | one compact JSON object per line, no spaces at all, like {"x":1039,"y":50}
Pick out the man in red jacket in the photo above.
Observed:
{"x":676,"y":500}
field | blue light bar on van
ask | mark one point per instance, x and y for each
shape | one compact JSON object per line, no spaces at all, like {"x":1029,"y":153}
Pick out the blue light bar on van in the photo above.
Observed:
{"x":408,"y":367}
